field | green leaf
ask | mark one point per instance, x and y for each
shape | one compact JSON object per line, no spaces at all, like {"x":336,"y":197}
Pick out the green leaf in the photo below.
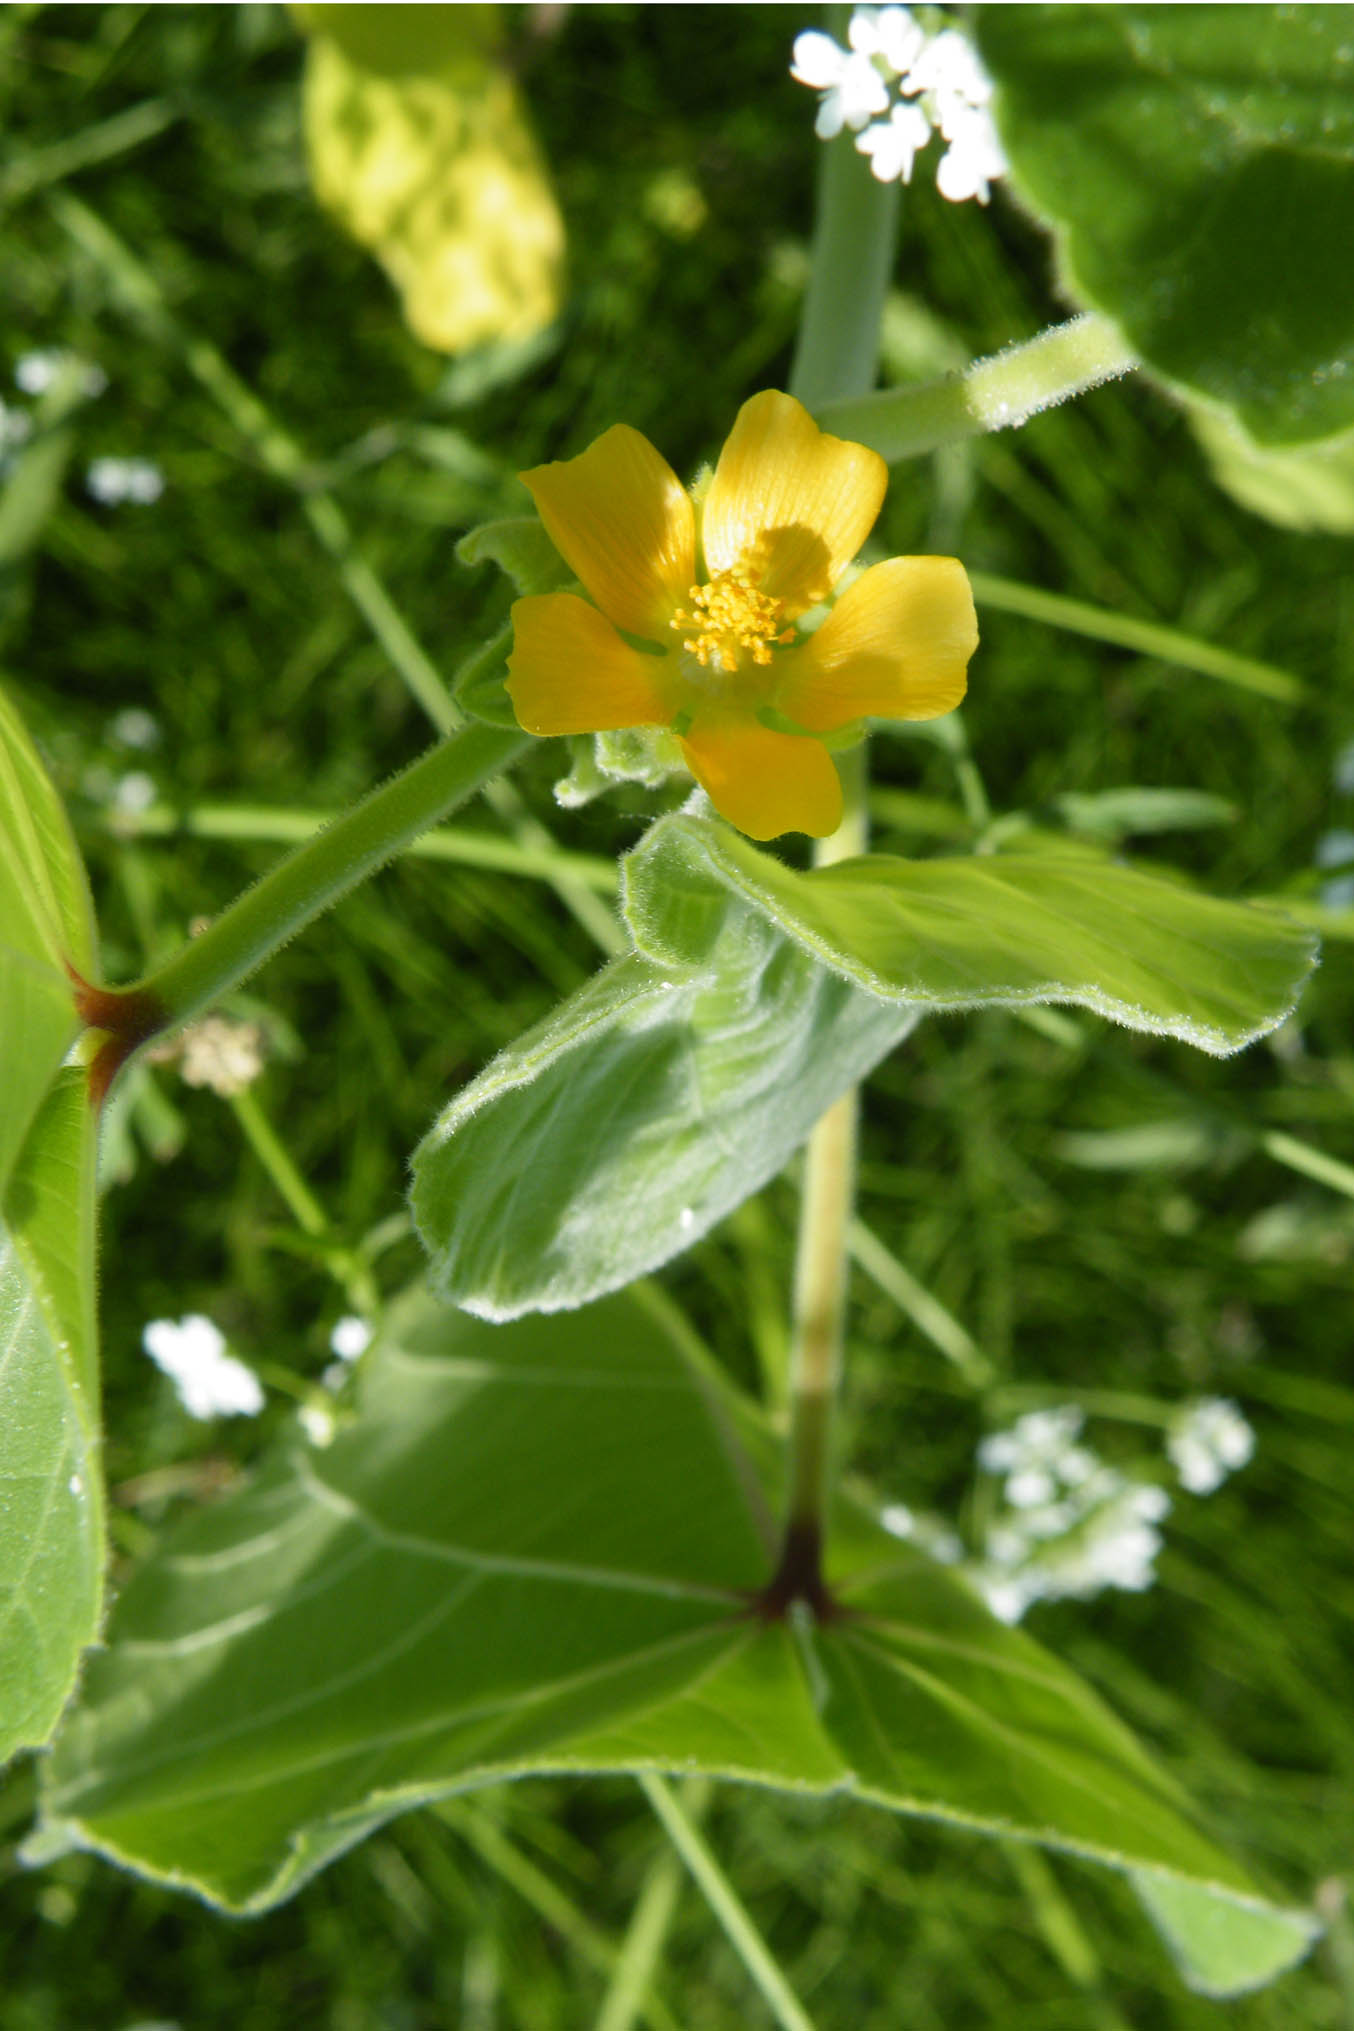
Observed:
{"x":1311,"y":487}
{"x":614,"y":1135}
{"x":45,"y":919}
{"x":532,"y":1552}
{"x":997,"y":929}
{"x":1223,"y":1947}
{"x":1196,"y":165}
{"x":51,"y":1538}
{"x":676,"y":1083}
{"x":520,"y":547}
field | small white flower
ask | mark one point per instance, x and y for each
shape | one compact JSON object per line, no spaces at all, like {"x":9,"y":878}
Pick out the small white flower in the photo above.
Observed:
{"x":134,"y":727}
{"x":972,"y":160}
{"x":1209,"y":1440}
{"x":134,"y":792}
{"x":1040,"y":1440}
{"x":929,"y":1533}
{"x":112,"y":481}
{"x":1334,"y":849}
{"x":1009,"y":1598}
{"x":16,"y":427}
{"x":853,"y":90}
{"x":1029,"y":1487}
{"x":210,"y":1382}
{"x":35,"y":372}
{"x":894,"y":144}
{"x":888,"y":33}
{"x":950,"y":67}
{"x":224,"y":1056}
{"x":1006,"y":1545}
{"x":350,"y":1337}
{"x":1339,"y":894}
{"x":317,"y":1422}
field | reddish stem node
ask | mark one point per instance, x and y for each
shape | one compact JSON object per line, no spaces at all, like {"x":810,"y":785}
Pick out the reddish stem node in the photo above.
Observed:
{"x":126,"y":1015}
{"x":798,"y":1577}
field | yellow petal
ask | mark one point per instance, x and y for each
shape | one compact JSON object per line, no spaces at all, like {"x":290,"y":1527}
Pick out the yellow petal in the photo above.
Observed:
{"x":895,"y":646}
{"x":623,"y":522}
{"x":570,"y":672}
{"x":764,"y":783}
{"x":789,"y":501}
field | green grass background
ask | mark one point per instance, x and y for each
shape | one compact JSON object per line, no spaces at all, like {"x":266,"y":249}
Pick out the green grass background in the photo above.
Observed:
{"x":216,"y":610}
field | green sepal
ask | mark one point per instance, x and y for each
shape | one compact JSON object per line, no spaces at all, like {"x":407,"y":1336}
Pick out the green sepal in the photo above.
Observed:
{"x":520,"y":547}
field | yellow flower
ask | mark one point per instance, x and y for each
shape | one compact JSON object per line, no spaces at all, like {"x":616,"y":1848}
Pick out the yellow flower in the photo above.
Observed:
{"x":713,"y":589}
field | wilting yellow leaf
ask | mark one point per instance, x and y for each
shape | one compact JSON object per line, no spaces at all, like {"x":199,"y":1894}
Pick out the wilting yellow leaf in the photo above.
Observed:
{"x":428,"y":160}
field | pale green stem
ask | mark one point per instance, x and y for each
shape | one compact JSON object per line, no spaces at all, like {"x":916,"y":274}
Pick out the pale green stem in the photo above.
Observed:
{"x":993,"y":394}
{"x":294,"y":893}
{"x":724,"y":1902}
{"x":822,"y":1256}
{"x":850,"y":265}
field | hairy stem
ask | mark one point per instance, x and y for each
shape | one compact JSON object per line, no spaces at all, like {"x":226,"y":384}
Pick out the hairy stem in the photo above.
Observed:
{"x":993,"y":394}
{"x":294,"y":893}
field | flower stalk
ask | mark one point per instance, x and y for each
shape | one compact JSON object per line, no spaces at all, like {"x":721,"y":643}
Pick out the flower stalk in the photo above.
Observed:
{"x":822,"y":1269}
{"x":993,"y":394}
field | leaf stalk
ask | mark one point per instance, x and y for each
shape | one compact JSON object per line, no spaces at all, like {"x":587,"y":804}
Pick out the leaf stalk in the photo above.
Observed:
{"x":295,"y":892}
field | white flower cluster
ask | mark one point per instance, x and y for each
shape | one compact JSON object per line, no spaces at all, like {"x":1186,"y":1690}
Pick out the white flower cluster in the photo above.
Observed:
{"x":348,"y":1342}
{"x":36,"y":372}
{"x":941,"y":85}
{"x":210,"y":1382}
{"x":1208,"y":1440}
{"x":222,"y":1055}
{"x":1070,"y":1525}
{"x":112,"y":481}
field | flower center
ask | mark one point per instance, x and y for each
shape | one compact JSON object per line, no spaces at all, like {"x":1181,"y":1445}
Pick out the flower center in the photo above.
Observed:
{"x":731,"y":618}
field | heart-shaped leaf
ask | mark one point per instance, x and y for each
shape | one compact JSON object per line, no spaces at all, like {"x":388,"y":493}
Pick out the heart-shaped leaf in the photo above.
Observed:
{"x":535,"y":1550}
{"x":51,"y":1502}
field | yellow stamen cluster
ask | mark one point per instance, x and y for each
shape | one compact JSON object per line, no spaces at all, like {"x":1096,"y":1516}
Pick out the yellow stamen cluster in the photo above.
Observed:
{"x":730,"y":616}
